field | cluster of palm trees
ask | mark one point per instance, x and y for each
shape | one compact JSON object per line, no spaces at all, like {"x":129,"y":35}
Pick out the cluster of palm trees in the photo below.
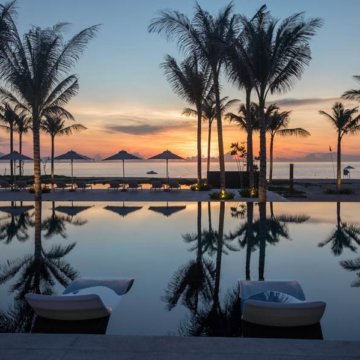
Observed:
{"x":35,"y":70}
{"x":346,"y":122}
{"x":260,"y":55}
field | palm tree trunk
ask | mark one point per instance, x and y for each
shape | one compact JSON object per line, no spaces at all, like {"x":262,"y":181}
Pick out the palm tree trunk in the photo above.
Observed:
{"x":36,"y":146}
{"x":338,"y":170}
{"x":219,"y":254}
{"x":219,"y":130}
{"x":262,"y":239}
{"x":338,"y":215}
{"x":271,"y":157}
{"x":209,"y":216}
{"x":52,"y":159}
{"x":38,"y":245}
{"x":249,"y":129}
{"x":20,"y":152}
{"x":208,"y":149}
{"x":11,"y":150}
{"x":199,"y":250}
{"x":249,"y":245}
{"x":199,"y":120}
{"x":262,"y":172}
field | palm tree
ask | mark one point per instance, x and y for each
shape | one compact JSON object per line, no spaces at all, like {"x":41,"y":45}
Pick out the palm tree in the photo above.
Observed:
{"x":36,"y":70}
{"x":190,"y":81}
{"x":209,"y":114}
{"x":23,"y":125}
{"x":275,"y":54}
{"x":352,"y":94}
{"x":278,"y":123}
{"x":352,"y":265}
{"x":344,"y":235}
{"x":207,"y":37}
{"x":8,"y":117}
{"x":344,"y":122}
{"x":55,"y":126}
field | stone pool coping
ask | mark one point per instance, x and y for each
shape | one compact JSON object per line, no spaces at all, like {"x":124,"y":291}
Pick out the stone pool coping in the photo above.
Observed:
{"x":141,"y":195}
{"x":75,"y":347}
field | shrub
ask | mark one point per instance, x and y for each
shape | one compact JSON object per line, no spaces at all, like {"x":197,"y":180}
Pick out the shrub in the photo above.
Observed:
{"x":249,"y":193}
{"x":202,"y":187}
{"x":222,"y":195}
{"x":45,"y":189}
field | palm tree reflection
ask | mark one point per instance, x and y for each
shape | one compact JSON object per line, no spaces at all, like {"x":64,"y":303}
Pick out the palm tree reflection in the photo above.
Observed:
{"x":343,"y":236}
{"x":37,"y":273}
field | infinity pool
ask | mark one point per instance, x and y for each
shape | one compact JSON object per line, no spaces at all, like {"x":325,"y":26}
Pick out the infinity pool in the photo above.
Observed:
{"x":186,"y":259}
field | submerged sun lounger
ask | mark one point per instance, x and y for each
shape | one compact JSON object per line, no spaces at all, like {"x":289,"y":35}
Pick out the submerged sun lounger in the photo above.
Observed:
{"x":279,"y":309}
{"x":84,"y":307}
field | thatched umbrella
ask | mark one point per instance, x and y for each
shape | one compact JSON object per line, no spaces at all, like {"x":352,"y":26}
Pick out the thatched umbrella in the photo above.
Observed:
{"x":167,"y":210}
{"x":14,"y":156}
{"x":72,"y":155}
{"x":123,"y":210}
{"x":122,"y":155}
{"x":166,"y":155}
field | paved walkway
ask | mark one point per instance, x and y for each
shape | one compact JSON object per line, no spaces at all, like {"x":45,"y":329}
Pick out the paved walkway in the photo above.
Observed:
{"x":99,"y":347}
{"x":143,"y":195}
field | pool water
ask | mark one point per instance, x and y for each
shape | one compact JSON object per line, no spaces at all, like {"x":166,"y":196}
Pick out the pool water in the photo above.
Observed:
{"x":186,"y":259}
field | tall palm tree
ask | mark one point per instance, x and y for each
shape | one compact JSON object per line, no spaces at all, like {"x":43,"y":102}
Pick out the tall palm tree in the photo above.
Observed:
{"x":353,"y":94}
{"x":8,"y":118}
{"x":56,"y":126}
{"x":207,"y":37}
{"x":209,"y":114}
{"x":36,"y":69}
{"x":23,"y":125}
{"x":190,"y":80}
{"x":278,"y":123}
{"x":275,"y":55}
{"x":343,"y":236}
{"x":346,"y":123}
{"x":352,"y":265}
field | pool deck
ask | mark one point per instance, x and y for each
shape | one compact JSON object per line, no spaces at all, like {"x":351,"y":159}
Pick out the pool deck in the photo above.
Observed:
{"x":139,"y":195}
{"x":76,"y":347}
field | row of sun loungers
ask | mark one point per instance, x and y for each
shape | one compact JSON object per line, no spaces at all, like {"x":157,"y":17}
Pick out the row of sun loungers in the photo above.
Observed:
{"x":82,"y":185}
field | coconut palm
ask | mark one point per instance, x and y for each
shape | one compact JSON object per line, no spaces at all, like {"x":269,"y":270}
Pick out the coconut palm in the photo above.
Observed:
{"x":352,"y":265}
{"x":56,"y":126}
{"x":275,"y":55}
{"x":36,"y":69}
{"x":353,"y":94}
{"x":39,"y":271}
{"x":23,"y":125}
{"x":345,"y":123}
{"x":207,"y":37}
{"x":16,"y":227}
{"x":9,"y":118}
{"x":190,"y":81}
{"x":344,"y":236}
{"x":209,"y":115}
{"x":277,"y":124}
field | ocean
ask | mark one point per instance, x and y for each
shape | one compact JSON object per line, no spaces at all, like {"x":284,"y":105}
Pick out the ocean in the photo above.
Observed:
{"x":181,"y":169}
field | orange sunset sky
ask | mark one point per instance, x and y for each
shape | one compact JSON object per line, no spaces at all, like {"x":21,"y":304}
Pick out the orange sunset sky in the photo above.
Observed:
{"x":126,"y":102}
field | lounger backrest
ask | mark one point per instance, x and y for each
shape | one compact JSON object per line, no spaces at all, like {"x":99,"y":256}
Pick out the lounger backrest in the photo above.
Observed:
{"x":76,"y":307}
{"x":251,"y":288}
{"x":120,"y":286}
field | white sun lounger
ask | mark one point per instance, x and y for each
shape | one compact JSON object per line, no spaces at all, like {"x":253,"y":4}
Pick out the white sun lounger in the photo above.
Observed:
{"x":278,"y":303}
{"x":83,"y":299}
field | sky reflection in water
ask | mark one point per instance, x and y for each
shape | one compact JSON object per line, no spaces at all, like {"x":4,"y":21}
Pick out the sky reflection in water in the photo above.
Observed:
{"x":175,"y":268}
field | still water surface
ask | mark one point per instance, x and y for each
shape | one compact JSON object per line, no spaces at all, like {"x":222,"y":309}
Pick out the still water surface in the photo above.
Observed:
{"x":186,"y":259}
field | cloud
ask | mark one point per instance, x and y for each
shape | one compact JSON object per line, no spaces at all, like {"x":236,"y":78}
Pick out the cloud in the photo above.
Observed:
{"x":137,"y":126}
{"x":300,"y":102}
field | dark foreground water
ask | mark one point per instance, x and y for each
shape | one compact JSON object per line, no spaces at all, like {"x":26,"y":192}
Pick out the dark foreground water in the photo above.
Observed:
{"x":186,"y":258}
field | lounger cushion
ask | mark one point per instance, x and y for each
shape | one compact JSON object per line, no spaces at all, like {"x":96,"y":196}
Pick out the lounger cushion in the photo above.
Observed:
{"x":81,"y":307}
{"x":276,"y":297}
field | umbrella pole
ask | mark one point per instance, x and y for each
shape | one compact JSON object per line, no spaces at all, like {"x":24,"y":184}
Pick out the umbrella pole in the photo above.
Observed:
{"x":14,"y":165}
{"x":167,"y":170}
{"x":123,"y":171}
{"x":72,"y":174}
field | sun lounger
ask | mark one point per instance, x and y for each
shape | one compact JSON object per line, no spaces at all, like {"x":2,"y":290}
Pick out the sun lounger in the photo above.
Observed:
{"x":83,"y":304}
{"x":5,"y":185}
{"x":115,"y":185}
{"x":156,"y":185}
{"x":60,"y":185}
{"x":21,"y":185}
{"x":174,"y":185}
{"x":134,"y":185}
{"x":279,"y":307}
{"x":82,"y":185}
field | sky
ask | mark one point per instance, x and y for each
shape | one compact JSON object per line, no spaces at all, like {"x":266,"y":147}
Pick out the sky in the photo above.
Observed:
{"x":126,"y":103}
